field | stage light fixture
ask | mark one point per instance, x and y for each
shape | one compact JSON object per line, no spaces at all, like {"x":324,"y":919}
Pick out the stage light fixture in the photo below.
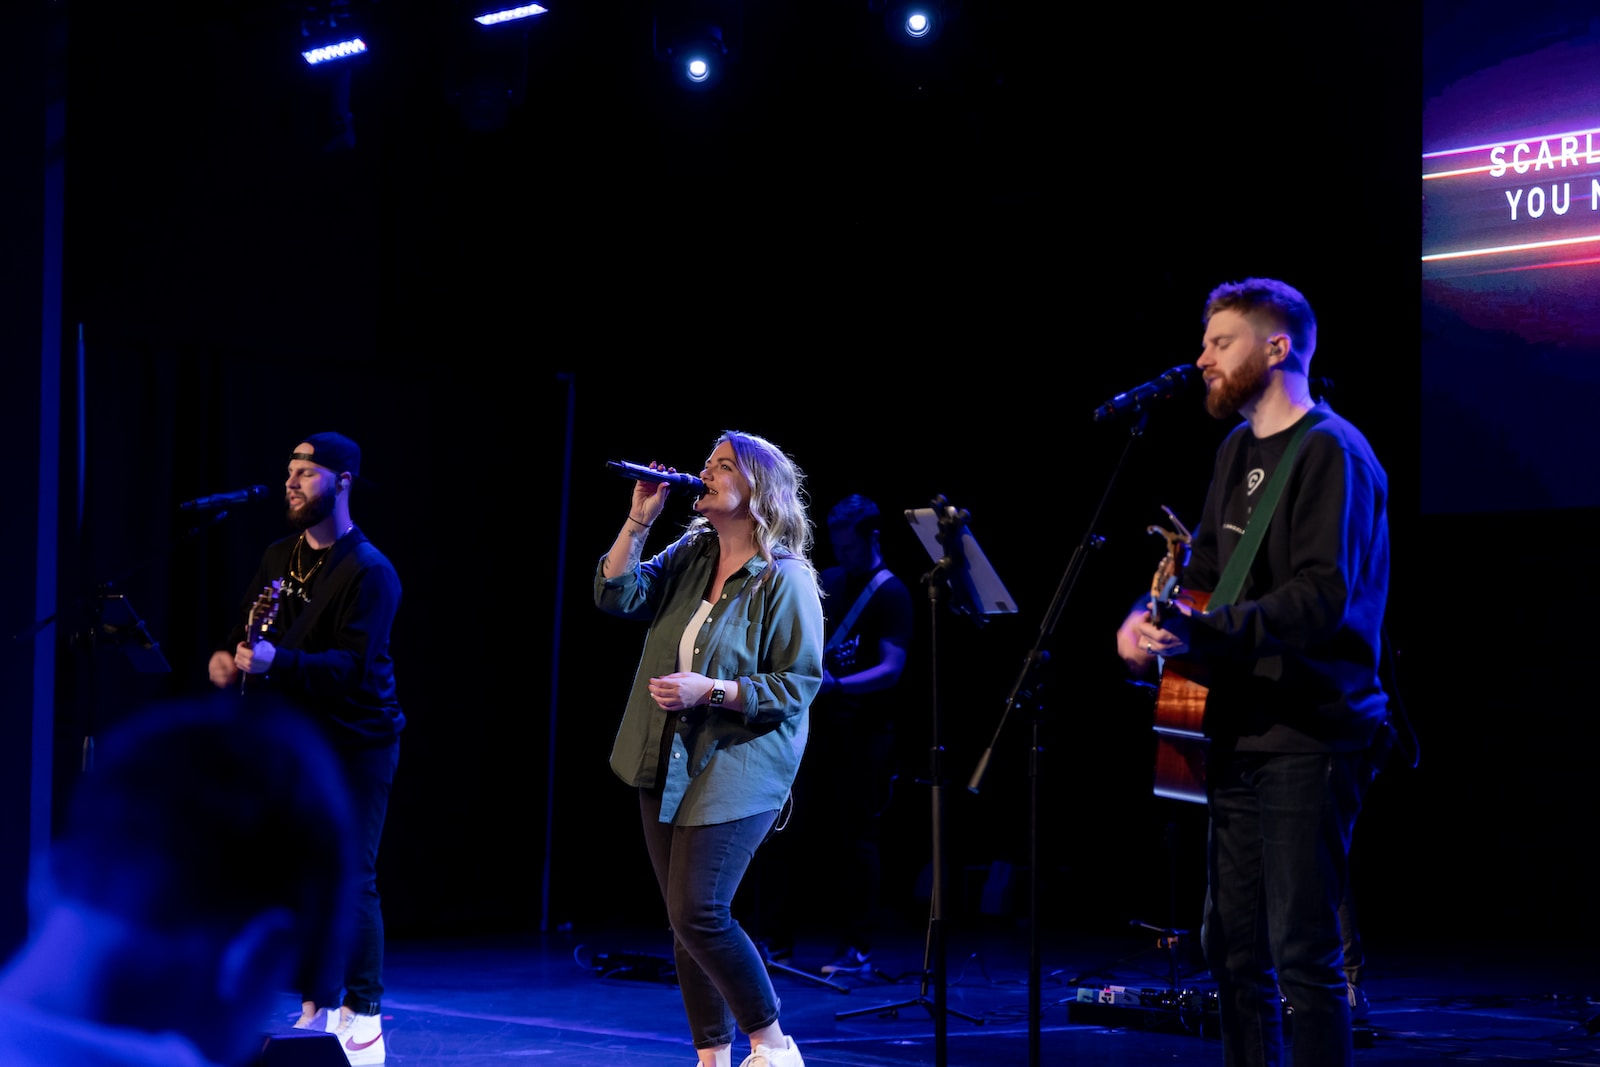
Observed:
{"x":486,"y":62}
{"x":697,"y":39}
{"x":510,"y":14}
{"x":913,"y":23}
{"x":331,"y":33}
{"x":698,"y":61}
{"x":334,"y":41}
{"x":329,"y":53}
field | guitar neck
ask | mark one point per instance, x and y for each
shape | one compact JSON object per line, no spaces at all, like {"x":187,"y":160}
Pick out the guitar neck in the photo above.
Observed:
{"x":263,"y":616}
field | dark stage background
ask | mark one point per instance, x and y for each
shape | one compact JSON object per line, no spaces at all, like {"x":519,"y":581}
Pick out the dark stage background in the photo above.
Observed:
{"x":919,"y":274}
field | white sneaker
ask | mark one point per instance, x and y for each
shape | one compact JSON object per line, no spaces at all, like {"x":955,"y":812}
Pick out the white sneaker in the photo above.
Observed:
{"x":322,"y":1020}
{"x":767,"y":1056}
{"x":361,"y":1037}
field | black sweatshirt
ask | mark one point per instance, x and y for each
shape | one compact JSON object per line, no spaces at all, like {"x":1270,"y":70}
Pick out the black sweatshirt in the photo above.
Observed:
{"x":332,"y":652}
{"x":1293,"y":662}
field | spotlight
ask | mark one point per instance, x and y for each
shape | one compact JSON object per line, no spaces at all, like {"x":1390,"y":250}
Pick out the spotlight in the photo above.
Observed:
{"x":697,"y":39}
{"x":698,"y":60}
{"x":912,"y":22}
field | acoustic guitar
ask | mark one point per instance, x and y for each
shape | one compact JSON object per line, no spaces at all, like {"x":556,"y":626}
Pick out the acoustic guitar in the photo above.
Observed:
{"x":840,"y":659}
{"x":263,"y":620}
{"x":1180,"y":772}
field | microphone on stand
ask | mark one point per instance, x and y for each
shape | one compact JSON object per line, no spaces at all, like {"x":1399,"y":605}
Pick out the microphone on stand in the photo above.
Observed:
{"x":223,"y":500}
{"x":640,"y":473}
{"x":1179,"y":381}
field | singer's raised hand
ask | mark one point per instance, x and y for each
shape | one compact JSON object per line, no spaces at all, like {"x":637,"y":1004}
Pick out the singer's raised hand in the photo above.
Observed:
{"x":644,"y":507}
{"x":650,"y":497}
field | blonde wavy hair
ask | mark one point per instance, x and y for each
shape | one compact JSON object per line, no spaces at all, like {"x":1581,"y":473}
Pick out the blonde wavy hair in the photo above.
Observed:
{"x":783,"y":527}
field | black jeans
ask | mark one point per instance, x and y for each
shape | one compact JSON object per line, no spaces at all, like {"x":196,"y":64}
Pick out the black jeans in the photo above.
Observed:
{"x":721,"y":975}
{"x":1277,"y":859}
{"x":369,"y":773}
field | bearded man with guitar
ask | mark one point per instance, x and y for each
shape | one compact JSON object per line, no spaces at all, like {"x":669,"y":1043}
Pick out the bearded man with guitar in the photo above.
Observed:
{"x":1286,"y":643}
{"x":331,"y":597}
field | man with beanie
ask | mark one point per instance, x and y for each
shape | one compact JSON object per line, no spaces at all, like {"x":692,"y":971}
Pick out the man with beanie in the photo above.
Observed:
{"x":313,"y":628}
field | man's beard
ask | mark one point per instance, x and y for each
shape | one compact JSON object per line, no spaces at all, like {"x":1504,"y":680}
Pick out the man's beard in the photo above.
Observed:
{"x":314,"y":511}
{"x":1233,"y":391}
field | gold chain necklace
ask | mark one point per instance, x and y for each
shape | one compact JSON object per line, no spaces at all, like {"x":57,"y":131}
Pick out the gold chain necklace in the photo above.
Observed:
{"x":294,"y":562}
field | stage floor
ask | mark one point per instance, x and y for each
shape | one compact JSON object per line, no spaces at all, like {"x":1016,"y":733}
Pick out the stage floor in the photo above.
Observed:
{"x":548,"y":1000}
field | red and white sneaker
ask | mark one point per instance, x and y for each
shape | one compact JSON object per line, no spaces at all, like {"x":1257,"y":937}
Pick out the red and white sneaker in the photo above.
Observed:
{"x":361,"y":1037}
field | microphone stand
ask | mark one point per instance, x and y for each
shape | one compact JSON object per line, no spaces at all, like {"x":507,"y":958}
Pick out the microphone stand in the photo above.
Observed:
{"x":951,"y":524}
{"x":1037,"y":656}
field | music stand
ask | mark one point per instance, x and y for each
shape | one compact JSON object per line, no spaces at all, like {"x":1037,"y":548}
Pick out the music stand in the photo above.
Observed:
{"x":119,"y":625}
{"x":961,"y":565}
{"x":112,"y":621}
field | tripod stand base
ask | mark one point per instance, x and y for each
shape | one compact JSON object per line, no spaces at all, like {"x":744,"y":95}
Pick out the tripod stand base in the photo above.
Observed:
{"x":891,"y":1011}
{"x":774,"y":968}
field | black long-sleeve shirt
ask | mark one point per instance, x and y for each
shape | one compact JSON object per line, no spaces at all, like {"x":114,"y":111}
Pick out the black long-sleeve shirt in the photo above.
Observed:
{"x":332,"y":652}
{"x":1293,"y":662}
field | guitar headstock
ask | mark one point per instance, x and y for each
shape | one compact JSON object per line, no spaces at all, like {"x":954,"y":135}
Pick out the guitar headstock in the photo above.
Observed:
{"x":264,"y":612}
{"x":1170,"y":570}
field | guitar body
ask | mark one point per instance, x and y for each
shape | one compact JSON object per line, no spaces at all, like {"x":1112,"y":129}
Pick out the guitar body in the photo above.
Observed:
{"x":1179,"y":726}
{"x":840,"y":659}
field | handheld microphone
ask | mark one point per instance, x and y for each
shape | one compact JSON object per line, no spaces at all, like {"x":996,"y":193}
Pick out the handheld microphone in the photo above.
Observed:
{"x":1179,"y":381}
{"x":640,"y":473}
{"x":221,"y":500}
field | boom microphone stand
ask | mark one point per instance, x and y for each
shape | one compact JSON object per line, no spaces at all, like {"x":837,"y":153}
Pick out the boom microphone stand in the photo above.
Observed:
{"x":954,"y":553}
{"x":1035,"y":658}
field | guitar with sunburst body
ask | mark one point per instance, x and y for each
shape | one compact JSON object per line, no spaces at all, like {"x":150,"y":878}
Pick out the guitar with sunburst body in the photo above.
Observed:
{"x":1180,"y":772}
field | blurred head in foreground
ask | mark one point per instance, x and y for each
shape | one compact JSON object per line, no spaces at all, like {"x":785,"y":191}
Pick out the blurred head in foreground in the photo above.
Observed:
{"x":199,"y":862}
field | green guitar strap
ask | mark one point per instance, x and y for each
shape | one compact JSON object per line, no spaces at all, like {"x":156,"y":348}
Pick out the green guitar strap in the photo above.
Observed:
{"x":1255,"y":531}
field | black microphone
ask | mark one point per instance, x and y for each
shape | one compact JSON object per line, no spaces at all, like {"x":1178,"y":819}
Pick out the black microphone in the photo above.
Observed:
{"x":222,"y":500}
{"x":641,"y":473}
{"x":1179,"y":381}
